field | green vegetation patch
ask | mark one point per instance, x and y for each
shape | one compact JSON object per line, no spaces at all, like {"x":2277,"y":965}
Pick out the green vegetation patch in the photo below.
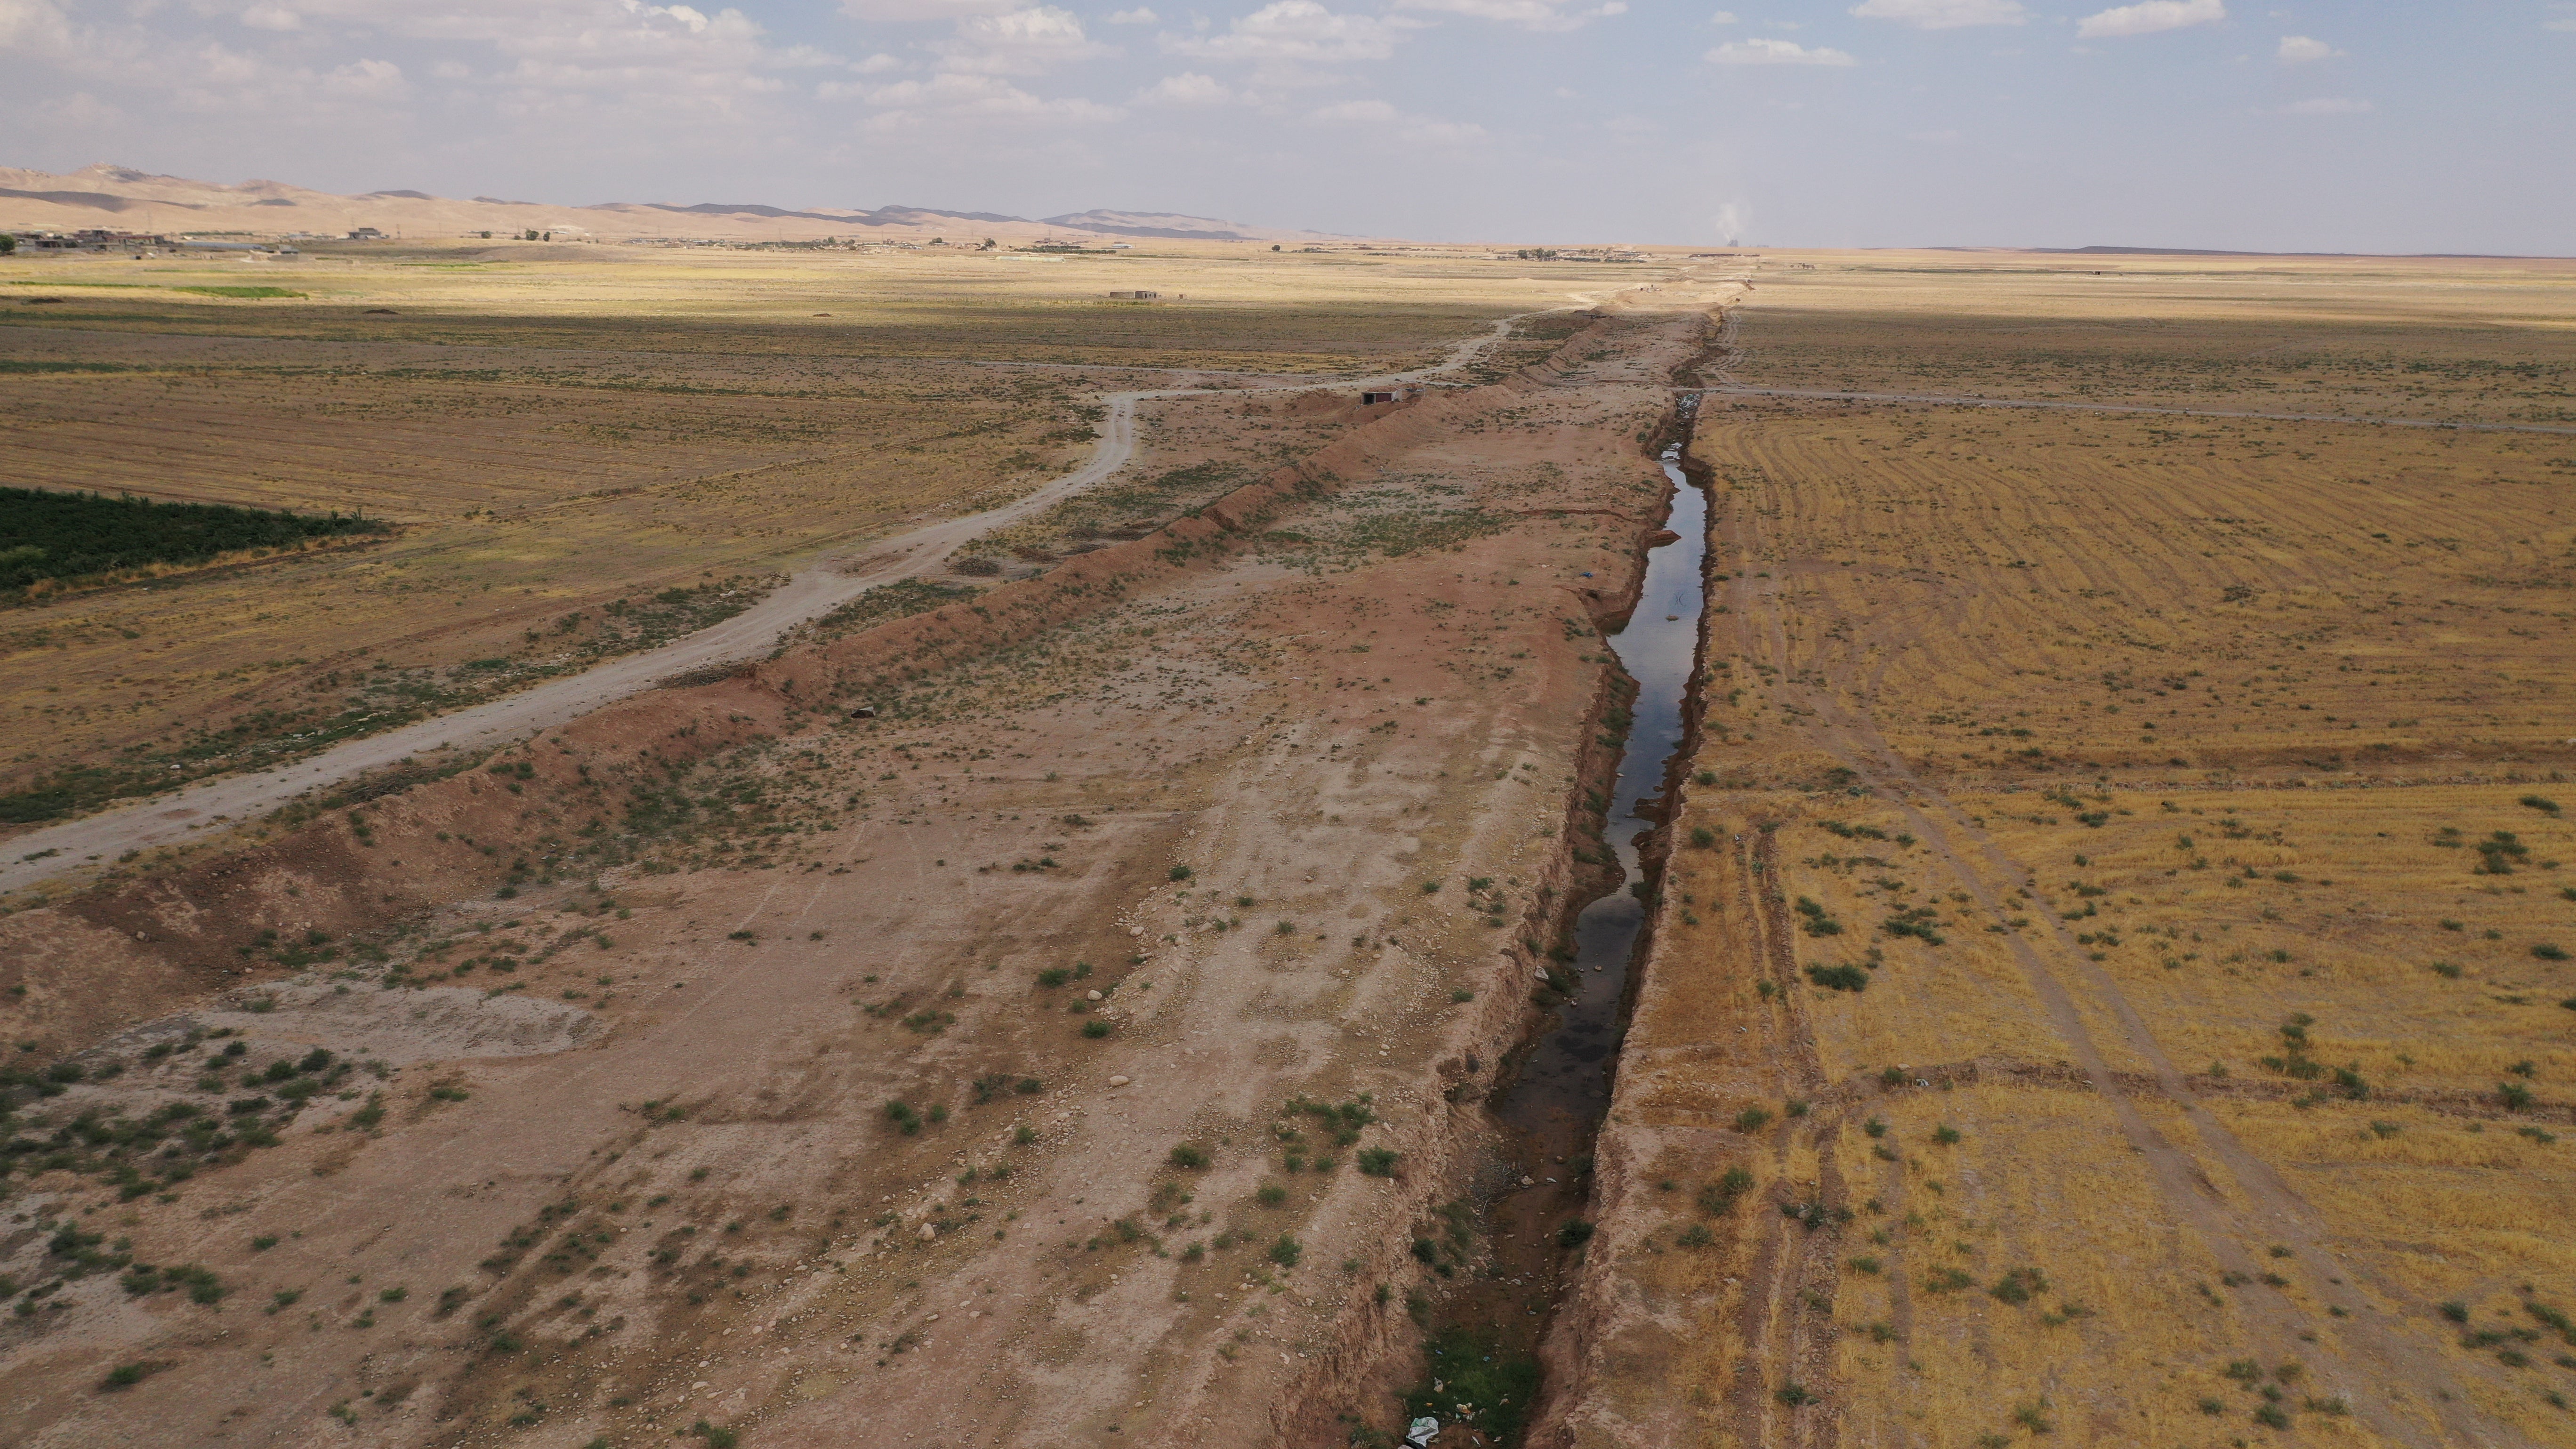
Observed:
{"x":1494,"y":1386}
{"x":888,"y":602}
{"x":48,"y":535}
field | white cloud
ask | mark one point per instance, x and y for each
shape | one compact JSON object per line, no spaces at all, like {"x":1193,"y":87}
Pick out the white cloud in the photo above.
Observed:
{"x":1722,"y":17}
{"x":2327,"y":106}
{"x":1023,"y":42}
{"x":921,"y":9}
{"x":2296,"y":49}
{"x":1299,"y":31}
{"x":1138,"y":16}
{"x":371,"y":80}
{"x":2149,"y":16}
{"x":1775,"y":52}
{"x":877,"y":64}
{"x":269,"y":16}
{"x":1376,"y":113}
{"x":2566,"y":18}
{"x":1943,"y":14}
{"x":1189,"y":88}
{"x":32,"y":25}
{"x":907,"y":105}
{"x":1527,"y":14}
{"x":1421,"y":130}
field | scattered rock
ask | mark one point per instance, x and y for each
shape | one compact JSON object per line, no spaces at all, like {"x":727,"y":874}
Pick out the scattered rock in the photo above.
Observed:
{"x":1118,"y":1081}
{"x":929,"y":1233}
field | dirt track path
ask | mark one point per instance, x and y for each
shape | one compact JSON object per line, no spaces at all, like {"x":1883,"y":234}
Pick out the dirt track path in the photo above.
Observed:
{"x":75,"y":845}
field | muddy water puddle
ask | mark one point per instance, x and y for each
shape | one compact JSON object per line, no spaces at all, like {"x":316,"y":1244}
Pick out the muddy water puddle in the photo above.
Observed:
{"x":1564,"y":1085}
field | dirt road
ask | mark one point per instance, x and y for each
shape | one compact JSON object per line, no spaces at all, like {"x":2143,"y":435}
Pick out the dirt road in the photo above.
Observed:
{"x":831,"y":582}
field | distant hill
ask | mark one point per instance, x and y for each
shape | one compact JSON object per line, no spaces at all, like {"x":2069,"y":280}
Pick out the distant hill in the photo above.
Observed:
{"x":124,"y":199}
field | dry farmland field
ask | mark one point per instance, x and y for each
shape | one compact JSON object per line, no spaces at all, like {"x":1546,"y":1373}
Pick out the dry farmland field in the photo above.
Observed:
{"x":585,"y":450}
{"x":2109,"y":927}
{"x":2116,"y":967}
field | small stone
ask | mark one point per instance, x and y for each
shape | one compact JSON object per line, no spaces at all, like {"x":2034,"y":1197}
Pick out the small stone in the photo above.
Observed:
{"x":1091,"y":996}
{"x":1118,"y":1081}
{"x":929,"y":1232}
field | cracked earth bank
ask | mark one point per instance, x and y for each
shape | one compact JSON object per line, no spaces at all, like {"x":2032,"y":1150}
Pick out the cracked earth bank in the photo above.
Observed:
{"x":719,"y":1056}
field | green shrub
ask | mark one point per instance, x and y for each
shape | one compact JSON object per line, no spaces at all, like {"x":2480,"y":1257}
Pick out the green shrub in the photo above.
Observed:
{"x":1286,"y":1251}
{"x":1752,"y":1120}
{"x":1095,"y":1028}
{"x":1839,"y":978}
{"x":1376,"y":1161}
{"x":903,"y":1116}
{"x":1574,"y":1233}
{"x":1181,"y":872}
{"x":1189,"y":1155}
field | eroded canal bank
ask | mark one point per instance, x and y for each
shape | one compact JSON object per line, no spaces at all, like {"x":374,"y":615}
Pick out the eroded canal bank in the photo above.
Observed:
{"x":1484,"y":1373}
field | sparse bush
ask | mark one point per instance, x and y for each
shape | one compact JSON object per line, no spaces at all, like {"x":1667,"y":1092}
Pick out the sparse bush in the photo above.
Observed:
{"x":1189,"y":1155}
{"x":1376,"y":1161}
{"x":1573,"y":1233}
{"x":1752,"y":1120}
{"x":127,"y":1375}
{"x":1286,"y":1251}
{"x":1095,"y":1028}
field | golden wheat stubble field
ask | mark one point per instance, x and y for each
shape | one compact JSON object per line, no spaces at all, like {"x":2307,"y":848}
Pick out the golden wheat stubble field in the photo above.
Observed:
{"x":2112,"y":978}
{"x":555,"y":431}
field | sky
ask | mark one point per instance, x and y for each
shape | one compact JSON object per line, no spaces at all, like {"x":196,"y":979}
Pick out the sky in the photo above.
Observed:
{"x":2360,"y":127}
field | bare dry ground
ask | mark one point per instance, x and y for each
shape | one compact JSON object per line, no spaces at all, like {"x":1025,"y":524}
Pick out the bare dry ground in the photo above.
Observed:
{"x":2111,"y":977}
{"x":1072,"y":1047}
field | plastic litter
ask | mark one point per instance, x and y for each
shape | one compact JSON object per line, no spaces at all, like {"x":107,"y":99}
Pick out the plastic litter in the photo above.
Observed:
{"x":1424,"y":1430}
